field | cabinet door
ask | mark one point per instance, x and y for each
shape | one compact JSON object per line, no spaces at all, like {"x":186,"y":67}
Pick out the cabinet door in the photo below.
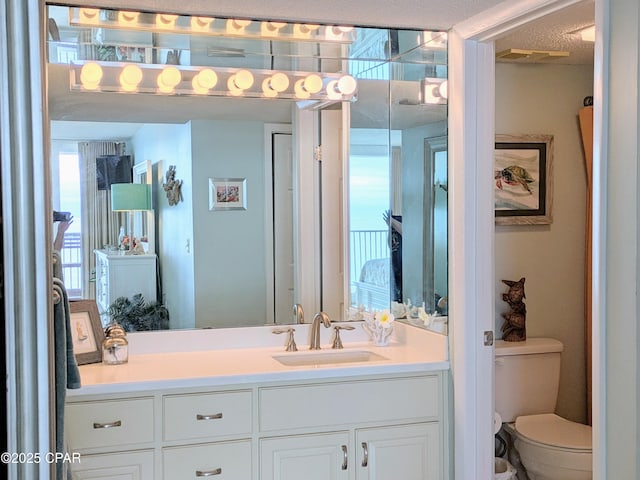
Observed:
{"x":308,"y":457}
{"x":115,"y":466}
{"x":409,"y":452}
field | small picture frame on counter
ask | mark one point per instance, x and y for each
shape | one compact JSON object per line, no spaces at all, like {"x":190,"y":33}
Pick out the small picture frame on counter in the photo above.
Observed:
{"x":87,"y":334}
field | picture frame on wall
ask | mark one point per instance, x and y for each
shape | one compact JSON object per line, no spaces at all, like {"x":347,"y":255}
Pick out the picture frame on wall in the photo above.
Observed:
{"x":227,"y":194}
{"x":523,"y":179}
{"x":87,"y":334}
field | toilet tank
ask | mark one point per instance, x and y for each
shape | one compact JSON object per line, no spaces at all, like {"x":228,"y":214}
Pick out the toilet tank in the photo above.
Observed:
{"x":527,"y":376}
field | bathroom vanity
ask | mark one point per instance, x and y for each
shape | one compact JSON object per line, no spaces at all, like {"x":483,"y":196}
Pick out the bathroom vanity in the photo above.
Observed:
{"x":239,"y":413}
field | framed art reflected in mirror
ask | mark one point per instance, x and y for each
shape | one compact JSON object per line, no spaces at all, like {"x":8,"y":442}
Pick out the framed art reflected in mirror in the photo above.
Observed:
{"x":227,"y":194}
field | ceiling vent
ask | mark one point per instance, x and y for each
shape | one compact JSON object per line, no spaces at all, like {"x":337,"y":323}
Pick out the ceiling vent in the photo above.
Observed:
{"x":530,"y":55}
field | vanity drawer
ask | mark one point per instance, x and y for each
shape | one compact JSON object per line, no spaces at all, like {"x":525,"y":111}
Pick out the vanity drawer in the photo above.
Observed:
{"x":229,"y":460}
{"x":340,"y":403}
{"x":115,"y":466}
{"x":109,"y":423}
{"x":207,"y":415}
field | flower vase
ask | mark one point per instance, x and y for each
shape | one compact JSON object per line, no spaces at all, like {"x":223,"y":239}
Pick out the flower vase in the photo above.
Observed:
{"x":381,"y":337}
{"x":379,"y":326}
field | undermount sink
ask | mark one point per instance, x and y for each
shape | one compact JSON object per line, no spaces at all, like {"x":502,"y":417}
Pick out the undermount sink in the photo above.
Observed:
{"x":327,"y":358}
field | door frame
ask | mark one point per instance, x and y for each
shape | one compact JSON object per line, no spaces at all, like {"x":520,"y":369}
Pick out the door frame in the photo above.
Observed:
{"x":270,"y":129}
{"x":471,"y":228}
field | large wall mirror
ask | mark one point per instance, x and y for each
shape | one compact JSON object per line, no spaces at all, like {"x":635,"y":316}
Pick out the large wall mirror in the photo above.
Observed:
{"x":283,"y":163}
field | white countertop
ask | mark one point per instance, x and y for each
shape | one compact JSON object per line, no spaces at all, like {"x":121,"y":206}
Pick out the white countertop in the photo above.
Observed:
{"x":165,"y":360}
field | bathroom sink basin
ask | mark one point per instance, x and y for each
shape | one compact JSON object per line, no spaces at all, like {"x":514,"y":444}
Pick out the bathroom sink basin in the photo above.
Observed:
{"x":327,"y":358}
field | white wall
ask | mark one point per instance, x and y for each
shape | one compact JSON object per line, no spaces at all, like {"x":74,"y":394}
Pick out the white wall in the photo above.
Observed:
{"x":167,"y":145}
{"x":230,"y":271}
{"x":545,"y":99}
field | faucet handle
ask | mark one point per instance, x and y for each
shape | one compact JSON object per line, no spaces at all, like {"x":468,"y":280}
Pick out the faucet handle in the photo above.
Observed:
{"x":337,"y":341}
{"x":291,"y":343}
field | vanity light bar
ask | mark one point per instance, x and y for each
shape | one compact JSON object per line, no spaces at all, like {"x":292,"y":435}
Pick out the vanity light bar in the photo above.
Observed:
{"x":93,"y":76}
{"x":242,"y":28}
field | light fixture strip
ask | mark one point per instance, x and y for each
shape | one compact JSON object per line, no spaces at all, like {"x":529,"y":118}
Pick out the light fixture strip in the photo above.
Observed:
{"x":94,"y":76}
{"x":194,"y":25}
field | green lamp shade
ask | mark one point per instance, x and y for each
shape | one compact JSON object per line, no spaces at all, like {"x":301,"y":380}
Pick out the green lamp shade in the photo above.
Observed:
{"x":130,"y":196}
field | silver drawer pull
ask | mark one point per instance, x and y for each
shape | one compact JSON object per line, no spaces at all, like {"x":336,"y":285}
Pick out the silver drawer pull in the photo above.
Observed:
{"x":208,"y":473}
{"x":345,"y":457}
{"x":215,"y":416}
{"x":365,"y":459}
{"x":117,"y":423}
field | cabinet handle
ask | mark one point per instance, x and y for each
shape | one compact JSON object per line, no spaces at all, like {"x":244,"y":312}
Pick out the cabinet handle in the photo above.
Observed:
{"x":345,"y":457}
{"x":215,"y":416}
{"x":117,"y":423}
{"x":208,"y":473}
{"x":365,"y":459}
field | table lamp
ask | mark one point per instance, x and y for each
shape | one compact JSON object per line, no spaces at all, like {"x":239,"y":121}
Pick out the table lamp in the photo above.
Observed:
{"x":130,"y":197}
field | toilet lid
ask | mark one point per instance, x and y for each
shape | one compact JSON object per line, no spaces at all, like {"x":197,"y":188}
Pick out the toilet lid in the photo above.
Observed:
{"x":550,"y":429}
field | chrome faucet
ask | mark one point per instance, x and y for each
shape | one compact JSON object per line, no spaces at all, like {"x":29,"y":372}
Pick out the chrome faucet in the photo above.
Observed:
{"x":298,"y":313}
{"x":314,"y":344}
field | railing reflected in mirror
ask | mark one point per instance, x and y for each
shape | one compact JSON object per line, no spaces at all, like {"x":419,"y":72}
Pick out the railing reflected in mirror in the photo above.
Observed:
{"x":359,"y":103}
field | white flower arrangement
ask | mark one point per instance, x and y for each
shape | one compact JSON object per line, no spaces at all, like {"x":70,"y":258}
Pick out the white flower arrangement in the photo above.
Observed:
{"x":379,"y":326}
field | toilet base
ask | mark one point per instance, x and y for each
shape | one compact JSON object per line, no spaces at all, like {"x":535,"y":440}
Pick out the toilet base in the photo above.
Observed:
{"x":548,"y":463}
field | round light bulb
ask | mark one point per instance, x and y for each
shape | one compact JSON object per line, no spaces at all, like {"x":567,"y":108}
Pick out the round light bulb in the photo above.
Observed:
{"x":130,"y":78}
{"x":332,"y":90}
{"x":165,"y":20}
{"x":430,"y":94}
{"x":267,"y":90}
{"x":304,"y":29}
{"x":201,"y":23}
{"x":233,"y":88}
{"x":312,"y":83}
{"x":168,"y":79}
{"x":90,"y":15}
{"x":90,"y":75}
{"x":279,"y":82}
{"x":444,"y":89}
{"x":347,"y":85}
{"x":242,"y":79}
{"x":299,"y":89}
{"x":207,"y":78}
{"x":128,"y":17}
{"x":235,"y":25}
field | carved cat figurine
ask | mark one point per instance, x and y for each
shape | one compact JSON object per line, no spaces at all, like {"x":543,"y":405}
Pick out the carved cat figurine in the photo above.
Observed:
{"x":514,"y":329}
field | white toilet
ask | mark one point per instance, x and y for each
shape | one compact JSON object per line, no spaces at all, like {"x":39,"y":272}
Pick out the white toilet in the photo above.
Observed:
{"x":527,"y":378}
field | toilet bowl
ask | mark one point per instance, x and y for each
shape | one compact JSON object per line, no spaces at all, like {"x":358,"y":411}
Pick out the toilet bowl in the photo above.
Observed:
{"x":527,"y":379}
{"x":553,"y":448}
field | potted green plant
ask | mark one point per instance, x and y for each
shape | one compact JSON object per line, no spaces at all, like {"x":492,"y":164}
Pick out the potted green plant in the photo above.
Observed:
{"x":137,"y":315}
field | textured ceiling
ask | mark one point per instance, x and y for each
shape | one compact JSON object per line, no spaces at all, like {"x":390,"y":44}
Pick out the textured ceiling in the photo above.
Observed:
{"x":554,"y":33}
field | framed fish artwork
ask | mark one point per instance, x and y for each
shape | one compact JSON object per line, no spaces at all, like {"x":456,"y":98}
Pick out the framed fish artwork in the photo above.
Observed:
{"x":523,"y":179}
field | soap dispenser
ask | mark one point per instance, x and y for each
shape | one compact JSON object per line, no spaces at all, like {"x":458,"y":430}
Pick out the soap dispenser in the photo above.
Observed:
{"x":115,"y":347}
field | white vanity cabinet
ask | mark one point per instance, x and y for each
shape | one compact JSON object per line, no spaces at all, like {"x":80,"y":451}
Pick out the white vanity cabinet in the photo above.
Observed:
{"x":382,"y":429}
{"x":373,"y":427}
{"x":120,"y":275}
